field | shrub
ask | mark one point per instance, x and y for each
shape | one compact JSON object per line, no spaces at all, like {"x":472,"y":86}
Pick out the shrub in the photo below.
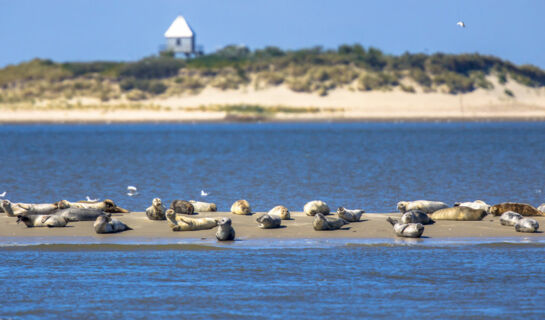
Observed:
{"x":421,"y":77}
{"x":455,"y":82}
{"x":380,"y":80}
{"x":509,"y":92}
{"x":409,"y":89}
{"x":152,"y":68}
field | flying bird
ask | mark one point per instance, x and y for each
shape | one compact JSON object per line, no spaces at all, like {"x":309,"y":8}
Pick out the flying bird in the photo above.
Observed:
{"x":461,"y":24}
{"x":3,"y":194}
{"x":132,"y":191}
{"x":203,"y":194}
{"x":92,"y":200}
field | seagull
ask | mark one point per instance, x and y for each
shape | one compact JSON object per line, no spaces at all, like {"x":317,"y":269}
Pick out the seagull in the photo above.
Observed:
{"x":132,"y":191}
{"x":3,"y":194}
{"x":461,"y":24}
{"x":203,"y":194}
{"x":92,"y":200}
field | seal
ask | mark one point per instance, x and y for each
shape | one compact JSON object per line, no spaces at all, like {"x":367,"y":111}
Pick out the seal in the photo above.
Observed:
{"x":182,"y":207}
{"x":526,"y":225}
{"x":422,"y":205}
{"x":280,"y":211}
{"x":459,"y":214}
{"x":39,"y":220}
{"x":321,"y":223}
{"x":416,"y":216}
{"x":477,"y":204}
{"x":350,"y":215}
{"x":7,"y":208}
{"x":225,"y":230}
{"x":105,"y":224}
{"x":106,"y":206}
{"x":156,"y":211}
{"x":204,"y":206}
{"x":541,"y":208}
{"x":79,"y":214}
{"x":316,"y":206}
{"x":267,"y":221}
{"x":521,"y":208}
{"x":509,"y":218}
{"x":406,"y":230}
{"x":182,"y":223}
{"x":241,"y":207}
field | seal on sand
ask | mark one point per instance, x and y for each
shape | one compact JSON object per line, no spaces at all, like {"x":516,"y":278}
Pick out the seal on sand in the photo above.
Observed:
{"x":79,"y":214}
{"x":267,"y":221}
{"x":182,"y":207}
{"x":280,"y":211}
{"x":350,"y":215}
{"x":181,"y":223}
{"x":526,"y":225}
{"x":422,"y":205}
{"x":225,"y":230}
{"x":509,"y":218}
{"x":406,"y":230}
{"x":106,"y":206}
{"x":39,"y":220}
{"x":241,"y":207}
{"x":459,"y":214}
{"x":521,"y":208}
{"x":541,"y":208}
{"x":156,"y":211}
{"x":7,"y":208}
{"x":477,"y":204}
{"x":321,"y":223}
{"x":203,"y":206}
{"x":105,"y":224}
{"x":416,"y":216}
{"x":316,"y":206}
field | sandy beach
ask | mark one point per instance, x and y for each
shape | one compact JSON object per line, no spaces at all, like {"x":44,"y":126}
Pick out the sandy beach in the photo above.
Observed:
{"x":372,"y":226}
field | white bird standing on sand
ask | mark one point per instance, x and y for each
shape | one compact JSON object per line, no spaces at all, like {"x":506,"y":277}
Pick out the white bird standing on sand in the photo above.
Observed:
{"x":92,"y":200}
{"x":132,"y":191}
{"x":203,"y":194}
{"x":461,"y":24}
{"x":3,"y":194}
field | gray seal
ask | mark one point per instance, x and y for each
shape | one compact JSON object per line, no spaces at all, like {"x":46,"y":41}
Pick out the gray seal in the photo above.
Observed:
{"x":7,"y":208}
{"x":182,"y":207}
{"x":424,"y":205}
{"x":267,"y":221}
{"x":38,"y":220}
{"x":79,"y":214}
{"x":416,"y":216}
{"x":350,"y":215}
{"x":322,"y":223}
{"x":526,"y":225}
{"x":105,"y":224}
{"x":406,"y":230}
{"x":225,"y":230}
{"x":510,"y":218}
{"x":156,"y":211}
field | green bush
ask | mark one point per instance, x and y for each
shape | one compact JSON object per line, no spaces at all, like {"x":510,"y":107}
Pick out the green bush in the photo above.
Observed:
{"x":379,"y":80}
{"x":509,"y":92}
{"x":151,"y":86}
{"x":455,"y":82}
{"x":152,"y":68}
{"x":421,"y":77}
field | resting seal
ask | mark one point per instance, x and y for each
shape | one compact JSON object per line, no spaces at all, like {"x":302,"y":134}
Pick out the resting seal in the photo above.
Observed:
{"x":105,"y":224}
{"x":422,"y":205}
{"x":522,"y":208}
{"x":225,"y":230}
{"x":541,"y":208}
{"x":182,"y":223}
{"x":182,"y":207}
{"x":203,"y":206}
{"x":38,"y":220}
{"x":510,"y":218}
{"x":156,"y":211}
{"x":79,"y":214}
{"x":526,"y":225}
{"x":280,"y":211}
{"x":106,"y":206}
{"x":407,"y":230}
{"x":322,"y":223}
{"x":267,"y":221}
{"x":241,"y":207}
{"x":416,"y":216}
{"x":7,"y":208}
{"x":316,"y":206}
{"x":459,"y":214}
{"x":350,"y":215}
{"x":477,"y":204}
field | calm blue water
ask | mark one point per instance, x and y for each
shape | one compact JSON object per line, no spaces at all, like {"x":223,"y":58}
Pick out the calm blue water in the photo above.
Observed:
{"x":372,"y":166}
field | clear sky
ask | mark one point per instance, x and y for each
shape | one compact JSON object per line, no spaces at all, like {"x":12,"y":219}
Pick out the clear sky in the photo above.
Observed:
{"x":84,"y":30}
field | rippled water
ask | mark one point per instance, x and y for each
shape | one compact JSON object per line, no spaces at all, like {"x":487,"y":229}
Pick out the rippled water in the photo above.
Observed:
{"x":369,"y":165}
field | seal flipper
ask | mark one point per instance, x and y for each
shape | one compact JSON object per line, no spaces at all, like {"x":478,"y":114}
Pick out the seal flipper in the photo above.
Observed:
{"x":392,"y":221}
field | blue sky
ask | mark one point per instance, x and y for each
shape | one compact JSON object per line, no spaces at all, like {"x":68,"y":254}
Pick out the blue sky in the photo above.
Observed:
{"x":84,"y":30}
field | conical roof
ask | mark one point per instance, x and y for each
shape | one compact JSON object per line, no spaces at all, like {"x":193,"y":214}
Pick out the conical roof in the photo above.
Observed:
{"x":179,"y":29}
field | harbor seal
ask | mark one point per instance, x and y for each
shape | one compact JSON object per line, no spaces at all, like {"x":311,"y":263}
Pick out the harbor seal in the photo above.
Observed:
{"x":523,"y":209}
{"x":225,"y":230}
{"x":182,"y":207}
{"x":541,"y":208}
{"x":321,"y":223}
{"x":203,"y":206}
{"x":526,"y":225}
{"x":79,"y":214}
{"x":280,"y":211}
{"x":7,"y":208}
{"x":509,"y":218}
{"x":182,"y":223}
{"x":406,"y":230}
{"x":105,"y":224}
{"x":39,"y":220}
{"x":350,"y":215}
{"x":415,"y":216}
{"x":477,"y":204}
{"x":422,"y":205}
{"x":267,"y":221}
{"x":316,"y":206}
{"x":156,"y":211}
{"x":241,"y":207}
{"x":106,"y":206}
{"x":459,"y":214}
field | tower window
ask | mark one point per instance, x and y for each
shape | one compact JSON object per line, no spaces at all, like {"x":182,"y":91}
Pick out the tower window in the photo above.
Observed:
{"x":178,"y":41}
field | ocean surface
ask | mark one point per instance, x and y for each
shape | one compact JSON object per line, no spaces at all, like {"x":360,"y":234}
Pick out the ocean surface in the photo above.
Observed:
{"x":367,"y":165}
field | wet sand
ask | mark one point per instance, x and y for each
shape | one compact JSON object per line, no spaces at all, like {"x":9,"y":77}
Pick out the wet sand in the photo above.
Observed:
{"x":372,"y":226}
